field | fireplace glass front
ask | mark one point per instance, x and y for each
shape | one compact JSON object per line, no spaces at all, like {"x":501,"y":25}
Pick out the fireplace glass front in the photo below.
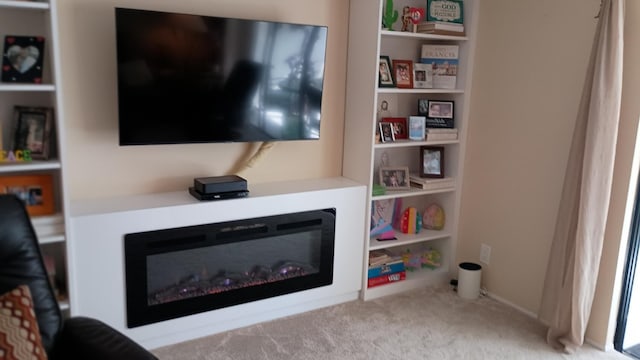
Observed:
{"x":183,"y":271}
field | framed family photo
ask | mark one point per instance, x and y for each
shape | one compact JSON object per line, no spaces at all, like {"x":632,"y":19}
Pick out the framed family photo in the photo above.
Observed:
{"x":22,"y":59}
{"x":422,"y":76}
{"x":385,"y":76}
{"x":33,"y":131}
{"x":432,"y":161}
{"x":386,"y":132}
{"x":403,"y":73}
{"x":395,"y":178}
{"x":398,"y":126}
{"x":440,"y":109}
{"x":35,"y":190}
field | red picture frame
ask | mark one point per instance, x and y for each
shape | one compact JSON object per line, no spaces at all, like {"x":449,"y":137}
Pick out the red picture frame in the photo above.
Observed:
{"x":403,"y":73}
{"x":399,"y":126}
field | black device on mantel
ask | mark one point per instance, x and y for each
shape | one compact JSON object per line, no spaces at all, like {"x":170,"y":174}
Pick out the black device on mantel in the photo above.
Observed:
{"x":219,"y":187}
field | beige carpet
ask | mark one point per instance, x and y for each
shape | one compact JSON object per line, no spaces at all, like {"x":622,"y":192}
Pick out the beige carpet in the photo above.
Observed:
{"x":432,"y":323}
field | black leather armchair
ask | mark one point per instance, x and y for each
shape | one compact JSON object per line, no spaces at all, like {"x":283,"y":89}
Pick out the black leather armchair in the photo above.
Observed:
{"x":21,"y":263}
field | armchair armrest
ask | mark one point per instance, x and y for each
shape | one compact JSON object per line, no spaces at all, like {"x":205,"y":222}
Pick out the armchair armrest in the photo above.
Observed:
{"x":87,"y":338}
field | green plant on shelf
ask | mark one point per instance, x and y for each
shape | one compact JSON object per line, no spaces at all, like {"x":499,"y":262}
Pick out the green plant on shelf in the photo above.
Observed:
{"x":390,"y":16}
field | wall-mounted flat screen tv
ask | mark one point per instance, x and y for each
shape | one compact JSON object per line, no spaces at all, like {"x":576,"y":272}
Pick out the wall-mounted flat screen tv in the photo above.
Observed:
{"x":196,"y":79}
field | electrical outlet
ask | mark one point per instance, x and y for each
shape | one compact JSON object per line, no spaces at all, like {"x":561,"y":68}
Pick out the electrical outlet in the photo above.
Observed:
{"x":485,"y":253}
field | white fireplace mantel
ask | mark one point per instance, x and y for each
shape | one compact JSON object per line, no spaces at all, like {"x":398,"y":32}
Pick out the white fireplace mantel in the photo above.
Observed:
{"x":96,"y":252}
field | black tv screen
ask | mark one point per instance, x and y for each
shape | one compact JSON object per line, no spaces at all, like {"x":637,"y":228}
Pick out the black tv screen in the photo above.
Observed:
{"x":195,"y":79}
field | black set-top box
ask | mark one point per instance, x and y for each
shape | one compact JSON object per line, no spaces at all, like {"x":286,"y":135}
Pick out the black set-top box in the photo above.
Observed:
{"x":219,"y":184}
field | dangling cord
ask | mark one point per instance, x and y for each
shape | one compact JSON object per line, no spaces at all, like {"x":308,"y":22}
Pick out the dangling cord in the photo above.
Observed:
{"x":264,"y":148}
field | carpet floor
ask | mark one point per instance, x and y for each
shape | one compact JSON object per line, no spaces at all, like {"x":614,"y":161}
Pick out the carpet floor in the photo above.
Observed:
{"x":432,"y":323}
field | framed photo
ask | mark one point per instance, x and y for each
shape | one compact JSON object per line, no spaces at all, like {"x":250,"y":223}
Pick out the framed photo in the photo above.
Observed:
{"x":22,"y":59}
{"x":440,"y":109}
{"x":403,"y":73}
{"x":398,"y":126}
{"x":35,"y":190}
{"x":33,"y":131}
{"x":385,"y":76}
{"x":386,"y":132}
{"x":417,"y":128}
{"x":432,"y":161}
{"x":422,"y":76}
{"x":395,"y":178}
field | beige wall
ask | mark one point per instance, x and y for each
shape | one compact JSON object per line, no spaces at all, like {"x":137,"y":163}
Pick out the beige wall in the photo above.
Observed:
{"x":530,"y":66}
{"x":97,"y":167}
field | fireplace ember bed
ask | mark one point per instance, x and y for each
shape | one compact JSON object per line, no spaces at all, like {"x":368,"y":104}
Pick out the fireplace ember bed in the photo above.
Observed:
{"x":177,"y":272}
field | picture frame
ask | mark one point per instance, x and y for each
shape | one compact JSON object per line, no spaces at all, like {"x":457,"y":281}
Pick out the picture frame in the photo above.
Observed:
{"x":399,"y":127}
{"x":385,"y":75}
{"x":22,"y":59}
{"x":417,"y":126}
{"x":395,"y":178}
{"x":432,"y":162}
{"x":32,"y":131}
{"x":386,"y":132}
{"x":35,"y":190}
{"x":422,"y":76}
{"x":403,"y":73}
{"x":438,"y":109}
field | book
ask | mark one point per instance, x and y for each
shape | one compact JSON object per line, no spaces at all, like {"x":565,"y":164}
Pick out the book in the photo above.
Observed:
{"x":442,"y":131}
{"x":444,"y":63}
{"x":428,"y":26}
{"x":441,"y":32}
{"x":384,"y":269}
{"x":386,"y":279}
{"x":451,"y":11}
{"x":431,"y":183}
{"x":440,"y":123}
{"x":382,"y":215}
{"x":441,"y":136}
{"x":379,"y":257}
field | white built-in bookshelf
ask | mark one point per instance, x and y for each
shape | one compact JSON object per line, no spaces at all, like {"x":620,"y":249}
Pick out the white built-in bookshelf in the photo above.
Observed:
{"x":363,"y":156}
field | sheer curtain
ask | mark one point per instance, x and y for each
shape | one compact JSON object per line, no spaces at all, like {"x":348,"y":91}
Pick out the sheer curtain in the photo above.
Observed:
{"x":574,"y":261}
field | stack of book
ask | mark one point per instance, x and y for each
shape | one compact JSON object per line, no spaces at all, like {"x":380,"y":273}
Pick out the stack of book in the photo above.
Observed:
{"x":431,"y":184}
{"x":441,"y":134}
{"x":440,"y":28}
{"x":384,"y":268}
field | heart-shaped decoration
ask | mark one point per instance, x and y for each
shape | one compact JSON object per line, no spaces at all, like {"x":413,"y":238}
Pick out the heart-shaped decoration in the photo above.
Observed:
{"x":23,"y":58}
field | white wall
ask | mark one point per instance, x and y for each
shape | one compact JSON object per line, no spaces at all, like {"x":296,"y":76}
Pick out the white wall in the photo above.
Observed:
{"x":530,"y":67}
{"x":97,"y":167}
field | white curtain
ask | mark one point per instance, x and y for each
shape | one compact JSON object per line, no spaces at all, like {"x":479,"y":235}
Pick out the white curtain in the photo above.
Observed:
{"x":577,"y":245}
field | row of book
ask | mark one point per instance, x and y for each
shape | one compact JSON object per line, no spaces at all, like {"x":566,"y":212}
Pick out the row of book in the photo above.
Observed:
{"x":416,"y":181}
{"x":436,"y":134}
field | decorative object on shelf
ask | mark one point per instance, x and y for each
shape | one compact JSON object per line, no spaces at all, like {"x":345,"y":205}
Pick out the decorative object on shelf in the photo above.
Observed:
{"x":32,"y":131}
{"x":395,"y":178}
{"x":411,"y":222}
{"x":403,"y":73}
{"x":406,"y":19}
{"x":439,"y":113}
{"x":22,"y":59}
{"x":15,"y":156}
{"x":416,"y":128}
{"x":386,"y":132}
{"x":432,"y":161}
{"x":389,"y":16}
{"x":422,"y":76}
{"x":417,"y":14}
{"x":431,"y":259}
{"x":444,"y":61}
{"x":450,"y":11}
{"x":399,"y":127}
{"x":433,"y":217}
{"x":35,"y":190}
{"x":385,"y":76}
{"x":382,"y":218}
{"x":377,"y":190}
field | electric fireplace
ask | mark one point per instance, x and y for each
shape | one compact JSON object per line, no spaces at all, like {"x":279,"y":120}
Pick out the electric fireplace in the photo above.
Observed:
{"x":176,"y":272}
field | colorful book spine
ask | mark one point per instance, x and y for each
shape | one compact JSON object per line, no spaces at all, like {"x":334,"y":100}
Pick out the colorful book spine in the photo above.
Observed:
{"x":386,"y":279}
{"x":384,"y":269}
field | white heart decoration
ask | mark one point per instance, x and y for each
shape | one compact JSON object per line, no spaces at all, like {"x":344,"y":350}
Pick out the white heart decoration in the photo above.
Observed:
{"x":23,"y":58}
